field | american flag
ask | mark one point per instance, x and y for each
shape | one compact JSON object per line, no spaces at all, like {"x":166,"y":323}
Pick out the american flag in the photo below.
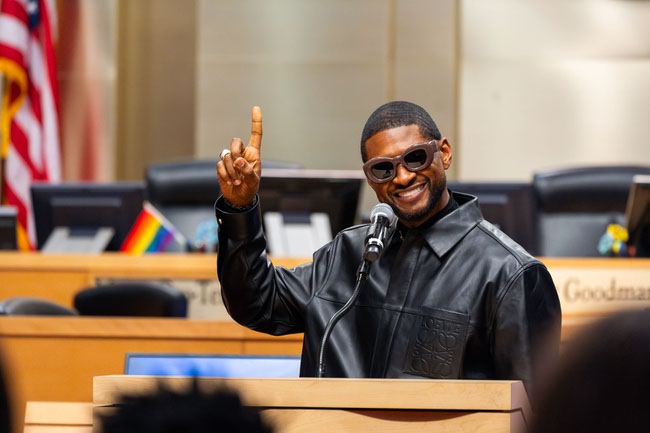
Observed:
{"x":29,"y":115}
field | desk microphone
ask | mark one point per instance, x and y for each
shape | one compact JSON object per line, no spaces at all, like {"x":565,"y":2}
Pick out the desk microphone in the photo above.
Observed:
{"x":382,"y":218}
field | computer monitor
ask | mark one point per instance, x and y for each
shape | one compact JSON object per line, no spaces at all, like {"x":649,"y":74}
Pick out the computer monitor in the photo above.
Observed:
{"x":638,"y":215}
{"x":297,"y":191}
{"x":157,"y":364}
{"x":509,"y":206}
{"x":86,"y":207}
{"x":8,"y":239}
{"x":301,"y":198}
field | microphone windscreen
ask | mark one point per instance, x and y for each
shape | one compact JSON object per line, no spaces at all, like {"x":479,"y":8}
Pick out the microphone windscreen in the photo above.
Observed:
{"x":384,"y":210}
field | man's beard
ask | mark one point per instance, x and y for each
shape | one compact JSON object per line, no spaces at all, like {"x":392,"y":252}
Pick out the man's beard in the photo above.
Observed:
{"x":436,"y":189}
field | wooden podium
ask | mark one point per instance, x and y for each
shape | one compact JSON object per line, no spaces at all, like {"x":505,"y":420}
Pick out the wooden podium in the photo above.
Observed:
{"x":357,"y":405}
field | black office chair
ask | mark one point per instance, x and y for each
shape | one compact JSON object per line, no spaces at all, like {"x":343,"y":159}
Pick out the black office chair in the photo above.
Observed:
{"x":574,"y":206}
{"x":139,"y":299}
{"x":26,"y":306}
{"x":185,"y":191}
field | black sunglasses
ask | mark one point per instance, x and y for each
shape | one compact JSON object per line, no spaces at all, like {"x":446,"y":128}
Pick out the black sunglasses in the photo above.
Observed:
{"x":417,"y":157}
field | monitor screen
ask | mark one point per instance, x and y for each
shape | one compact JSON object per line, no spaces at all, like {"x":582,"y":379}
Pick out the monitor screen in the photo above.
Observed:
{"x":8,"y":239}
{"x":638,"y":215}
{"x":296,"y":191}
{"x":86,"y":207}
{"x":211,"y":365}
{"x":509,"y":206}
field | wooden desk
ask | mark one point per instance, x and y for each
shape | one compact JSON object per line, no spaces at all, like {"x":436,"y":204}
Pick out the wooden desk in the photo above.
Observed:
{"x":56,"y":358}
{"x":586,"y":286}
{"x":59,"y":277}
{"x":600,"y":285}
{"x":295,"y":405}
{"x":322,"y":405}
{"x":591,"y":288}
{"x":58,"y":417}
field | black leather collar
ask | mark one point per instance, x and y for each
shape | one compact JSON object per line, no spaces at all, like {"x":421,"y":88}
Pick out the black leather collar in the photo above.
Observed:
{"x":446,"y":233}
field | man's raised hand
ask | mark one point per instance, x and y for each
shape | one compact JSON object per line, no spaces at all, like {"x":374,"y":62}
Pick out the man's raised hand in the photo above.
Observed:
{"x":239,"y":171}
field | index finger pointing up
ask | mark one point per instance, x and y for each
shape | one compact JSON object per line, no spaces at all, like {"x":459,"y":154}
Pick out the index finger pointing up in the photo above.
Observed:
{"x":256,"y":128}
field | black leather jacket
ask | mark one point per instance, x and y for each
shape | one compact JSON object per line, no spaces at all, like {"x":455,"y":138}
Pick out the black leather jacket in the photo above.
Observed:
{"x":459,"y":299}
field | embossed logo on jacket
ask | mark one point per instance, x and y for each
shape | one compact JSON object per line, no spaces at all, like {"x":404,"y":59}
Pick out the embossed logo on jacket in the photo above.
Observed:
{"x":436,"y":345}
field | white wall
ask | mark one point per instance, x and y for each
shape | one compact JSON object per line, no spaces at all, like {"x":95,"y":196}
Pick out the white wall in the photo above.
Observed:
{"x":318,"y":69}
{"x":553,"y":83}
{"x":518,"y":85}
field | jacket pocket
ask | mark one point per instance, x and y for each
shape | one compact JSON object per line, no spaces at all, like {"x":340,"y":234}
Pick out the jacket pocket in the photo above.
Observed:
{"x":436,"y":344}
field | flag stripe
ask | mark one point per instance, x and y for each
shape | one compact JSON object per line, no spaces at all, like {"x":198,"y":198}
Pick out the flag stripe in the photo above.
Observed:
{"x":36,"y":63}
{"x":54,"y":23}
{"x":160,"y":240}
{"x":9,"y":53}
{"x":21,"y":179}
{"x":22,"y":3}
{"x":20,"y":174}
{"x":26,"y":123}
{"x":49,"y":54}
{"x":13,"y":33}
{"x":16,"y":9}
{"x":148,"y":233}
{"x":141,"y":233}
{"x":137,"y":226}
{"x":51,"y":144}
{"x":19,"y":141}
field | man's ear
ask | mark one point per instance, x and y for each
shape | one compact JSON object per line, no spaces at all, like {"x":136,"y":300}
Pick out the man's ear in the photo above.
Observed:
{"x":444,"y":147}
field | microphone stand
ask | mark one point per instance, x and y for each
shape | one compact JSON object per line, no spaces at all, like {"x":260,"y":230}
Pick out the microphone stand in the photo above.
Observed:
{"x":362,"y":276}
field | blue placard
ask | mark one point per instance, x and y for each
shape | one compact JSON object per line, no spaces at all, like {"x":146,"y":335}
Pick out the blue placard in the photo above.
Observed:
{"x":212,"y":365}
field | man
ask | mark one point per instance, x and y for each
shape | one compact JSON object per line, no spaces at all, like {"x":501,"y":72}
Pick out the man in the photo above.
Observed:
{"x":450,"y":297}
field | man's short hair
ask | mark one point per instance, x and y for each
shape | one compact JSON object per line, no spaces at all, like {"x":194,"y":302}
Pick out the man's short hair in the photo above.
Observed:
{"x":190,"y":411}
{"x":395,"y":114}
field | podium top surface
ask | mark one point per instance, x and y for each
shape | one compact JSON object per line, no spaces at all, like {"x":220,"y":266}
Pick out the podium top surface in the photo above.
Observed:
{"x":415,"y":394}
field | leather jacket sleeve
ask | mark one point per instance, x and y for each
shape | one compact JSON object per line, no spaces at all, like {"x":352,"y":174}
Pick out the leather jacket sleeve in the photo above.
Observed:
{"x":256,"y":294}
{"x":526,"y":327}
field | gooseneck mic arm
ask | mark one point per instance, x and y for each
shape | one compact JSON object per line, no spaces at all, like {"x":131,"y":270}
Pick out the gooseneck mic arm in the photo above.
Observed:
{"x":362,"y":276}
{"x":381,"y":217}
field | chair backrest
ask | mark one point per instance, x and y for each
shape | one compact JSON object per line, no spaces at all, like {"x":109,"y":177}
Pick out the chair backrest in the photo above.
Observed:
{"x":141,"y":299}
{"x":574,"y":206}
{"x":185,"y":191}
{"x":507,"y":205}
{"x":26,"y":306}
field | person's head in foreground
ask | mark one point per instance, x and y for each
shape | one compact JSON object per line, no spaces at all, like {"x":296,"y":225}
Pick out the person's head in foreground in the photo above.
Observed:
{"x":190,"y":411}
{"x":5,"y":407}
{"x":602,"y":383}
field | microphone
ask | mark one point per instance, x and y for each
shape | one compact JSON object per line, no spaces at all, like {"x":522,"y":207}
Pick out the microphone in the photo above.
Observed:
{"x":382,"y":218}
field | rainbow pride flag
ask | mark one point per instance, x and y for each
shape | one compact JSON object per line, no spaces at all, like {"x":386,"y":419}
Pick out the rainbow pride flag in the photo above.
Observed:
{"x":150,"y":233}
